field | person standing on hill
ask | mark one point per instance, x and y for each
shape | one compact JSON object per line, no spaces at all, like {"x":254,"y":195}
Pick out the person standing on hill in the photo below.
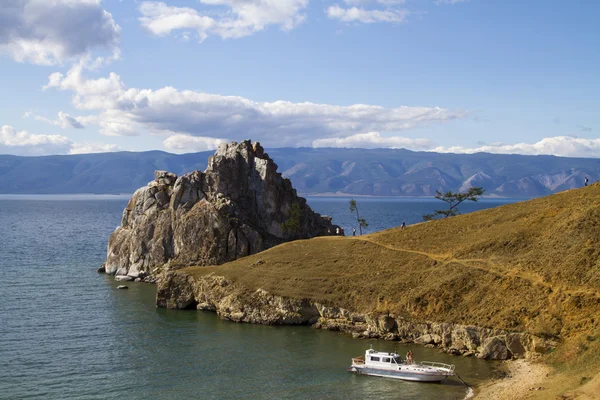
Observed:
{"x":403,"y":225}
{"x":353,"y":231}
{"x":586,"y":181}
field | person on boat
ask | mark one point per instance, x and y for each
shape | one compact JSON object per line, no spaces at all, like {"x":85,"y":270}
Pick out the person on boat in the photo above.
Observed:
{"x":409,"y":357}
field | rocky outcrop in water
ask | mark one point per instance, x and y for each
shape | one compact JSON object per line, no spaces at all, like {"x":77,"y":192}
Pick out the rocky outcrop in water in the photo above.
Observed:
{"x":239,"y":206}
{"x":177,"y":289}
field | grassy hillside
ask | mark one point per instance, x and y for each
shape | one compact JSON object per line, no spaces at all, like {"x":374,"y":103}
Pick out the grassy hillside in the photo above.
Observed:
{"x":532,"y":266}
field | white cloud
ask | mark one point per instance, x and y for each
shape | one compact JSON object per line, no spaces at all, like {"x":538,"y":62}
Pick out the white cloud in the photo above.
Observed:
{"x":50,"y":32}
{"x":382,"y":2}
{"x":241,"y":17}
{"x":565,"y":146}
{"x":23,"y":143}
{"x":189,"y":144}
{"x":64,"y":120}
{"x":87,"y":148}
{"x":356,"y":14}
{"x":371,"y":140}
{"x":452,"y":2}
{"x":130,"y":111}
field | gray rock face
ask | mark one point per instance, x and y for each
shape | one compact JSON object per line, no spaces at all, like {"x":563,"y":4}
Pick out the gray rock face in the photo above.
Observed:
{"x":494,"y":348}
{"x":176,"y":289}
{"x":239,"y":206}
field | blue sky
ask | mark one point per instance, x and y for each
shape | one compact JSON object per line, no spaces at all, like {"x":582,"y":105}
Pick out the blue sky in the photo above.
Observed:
{"x":181,"y":76}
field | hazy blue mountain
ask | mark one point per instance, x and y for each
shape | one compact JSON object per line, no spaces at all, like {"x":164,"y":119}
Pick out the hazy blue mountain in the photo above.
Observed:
{"x":379,"y":172}
{"x":121,"y":172}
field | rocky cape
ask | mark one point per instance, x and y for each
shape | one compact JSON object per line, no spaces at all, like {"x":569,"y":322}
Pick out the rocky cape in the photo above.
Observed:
{"x":239,"y":205}
{"x":179,"y":290}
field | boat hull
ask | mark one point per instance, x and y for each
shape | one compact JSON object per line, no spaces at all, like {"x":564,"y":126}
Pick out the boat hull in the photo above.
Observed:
{"x":403,"y":375}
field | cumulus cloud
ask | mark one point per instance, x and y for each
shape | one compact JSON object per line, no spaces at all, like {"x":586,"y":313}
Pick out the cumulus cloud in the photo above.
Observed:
{"x":88,"y":148}
{"x":63,"y":120}
{"x":451,"y":2}
{"x":189,"y":144}
{"x":382,"y":2}
{"x":359,"y":14}
{"x":131,"y":111}
{"x":371,"y":140}
{"x":565,"y":146}
{"x":51,"y":32}
{"x":23,"y":143}
{"x":241,"y":17}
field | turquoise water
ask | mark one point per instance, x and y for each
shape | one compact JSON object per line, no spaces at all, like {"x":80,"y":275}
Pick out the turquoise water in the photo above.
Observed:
{"x":66,"y":332}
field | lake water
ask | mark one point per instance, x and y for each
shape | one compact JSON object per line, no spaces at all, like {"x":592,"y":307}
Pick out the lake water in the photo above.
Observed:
{"x":66,"y":332}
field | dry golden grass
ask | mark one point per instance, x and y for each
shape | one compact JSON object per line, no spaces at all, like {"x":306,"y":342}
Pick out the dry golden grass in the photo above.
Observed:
{"x":532,"y":266}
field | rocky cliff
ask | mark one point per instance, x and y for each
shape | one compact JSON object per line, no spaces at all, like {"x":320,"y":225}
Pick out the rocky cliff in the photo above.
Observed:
{"x":239,"y":206}
{"x":177,"y":289}
{"x":506,"y":282}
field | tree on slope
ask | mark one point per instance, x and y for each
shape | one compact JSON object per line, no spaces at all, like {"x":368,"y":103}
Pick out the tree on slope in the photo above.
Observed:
{"x":453,"y":200}
{"x":362,"y":223}
{"x":292,"y":224}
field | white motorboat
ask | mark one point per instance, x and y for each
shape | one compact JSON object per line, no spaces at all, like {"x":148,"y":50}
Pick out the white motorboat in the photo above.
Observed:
{"x":392,"y":365}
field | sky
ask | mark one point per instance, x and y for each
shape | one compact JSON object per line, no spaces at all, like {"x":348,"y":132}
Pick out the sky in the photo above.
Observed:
{"x":461,"y":76}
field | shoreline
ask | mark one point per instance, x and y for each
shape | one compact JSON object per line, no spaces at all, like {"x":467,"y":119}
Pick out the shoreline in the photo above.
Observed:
{"x":18,"y":196}
{"x":522,"y":377}
{"x":343,"y":194}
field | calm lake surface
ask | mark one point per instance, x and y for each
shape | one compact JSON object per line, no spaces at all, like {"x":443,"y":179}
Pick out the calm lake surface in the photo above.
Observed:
{"x":66,"y":332}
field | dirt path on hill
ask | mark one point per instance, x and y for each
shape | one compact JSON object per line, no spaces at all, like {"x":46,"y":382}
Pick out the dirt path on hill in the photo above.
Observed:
{"x":488,"y":266}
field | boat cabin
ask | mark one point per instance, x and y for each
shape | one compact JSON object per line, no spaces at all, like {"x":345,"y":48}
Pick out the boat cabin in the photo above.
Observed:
{"x":380,"y":359}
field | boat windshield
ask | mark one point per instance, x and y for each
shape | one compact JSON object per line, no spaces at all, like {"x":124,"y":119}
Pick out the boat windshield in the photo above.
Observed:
{"x":398,"y":360}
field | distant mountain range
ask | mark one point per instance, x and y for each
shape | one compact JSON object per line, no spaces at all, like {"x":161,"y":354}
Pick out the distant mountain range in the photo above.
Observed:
{"x":376,"y":172}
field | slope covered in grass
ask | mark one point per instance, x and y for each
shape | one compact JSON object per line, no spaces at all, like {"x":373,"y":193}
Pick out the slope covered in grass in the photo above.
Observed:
{"x":532,"y":266}
{"x":526,"y":267}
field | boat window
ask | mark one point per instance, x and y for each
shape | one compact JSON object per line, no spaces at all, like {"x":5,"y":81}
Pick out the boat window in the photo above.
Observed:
{"x":374,"y":358}
{"x":386,"y":359}
{"x":398,"y":360}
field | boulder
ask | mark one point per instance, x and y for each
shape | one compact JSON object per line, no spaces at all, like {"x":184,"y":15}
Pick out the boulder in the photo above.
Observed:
{"x":122,"y":287}
{"x":494,"y":348}
{"x":240,"y":205}
{"x":123,"y":278}
{"x":515,"y":343}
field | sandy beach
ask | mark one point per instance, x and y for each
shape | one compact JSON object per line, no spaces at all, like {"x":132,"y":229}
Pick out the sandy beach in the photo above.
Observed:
{"x":522,"y":378}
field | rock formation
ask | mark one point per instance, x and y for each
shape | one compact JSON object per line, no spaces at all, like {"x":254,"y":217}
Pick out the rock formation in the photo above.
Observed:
{"x":239,"y":206}
{"x":177,"y":289}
